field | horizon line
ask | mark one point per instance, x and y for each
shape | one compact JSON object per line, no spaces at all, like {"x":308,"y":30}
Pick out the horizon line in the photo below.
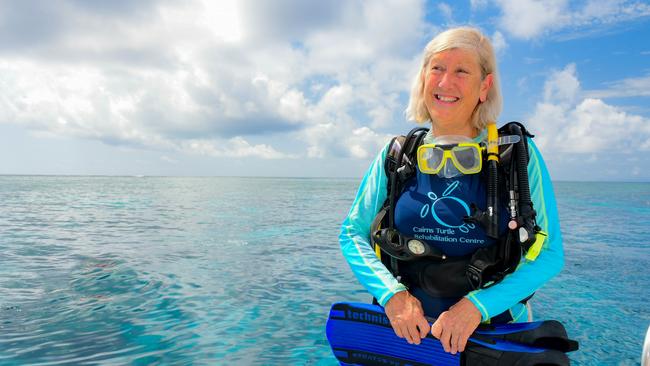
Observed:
{"x":266,"y":177}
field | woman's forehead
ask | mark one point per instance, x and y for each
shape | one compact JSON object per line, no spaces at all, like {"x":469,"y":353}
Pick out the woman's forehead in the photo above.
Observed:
{"x":461,"y":55}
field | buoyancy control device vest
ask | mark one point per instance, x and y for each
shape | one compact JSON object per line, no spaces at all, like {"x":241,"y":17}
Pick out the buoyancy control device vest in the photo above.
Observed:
{"x":444,"y":214}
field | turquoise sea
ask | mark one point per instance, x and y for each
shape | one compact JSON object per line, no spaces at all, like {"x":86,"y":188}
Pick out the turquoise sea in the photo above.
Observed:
{"x":242,"y":271}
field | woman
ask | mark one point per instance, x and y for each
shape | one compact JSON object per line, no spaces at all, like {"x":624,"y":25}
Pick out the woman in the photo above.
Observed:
{"x":457,"y":92}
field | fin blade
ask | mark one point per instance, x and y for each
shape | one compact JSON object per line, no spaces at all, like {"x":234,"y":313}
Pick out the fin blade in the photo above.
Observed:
{"x":361,"y":334}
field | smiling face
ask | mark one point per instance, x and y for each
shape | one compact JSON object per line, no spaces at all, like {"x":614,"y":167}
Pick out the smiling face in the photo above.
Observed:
{"x":453,"y":86}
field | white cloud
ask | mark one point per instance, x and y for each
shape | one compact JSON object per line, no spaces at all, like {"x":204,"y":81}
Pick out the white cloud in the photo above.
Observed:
{"x":365,"y":143}
{"x":236,"y":147}
{"x":610,"y":11}
{"x":222,"y":18}
{"x":562,"y":86}
{"x":478,"y":4}
{"x":565,"y":122}
{"x":198,"y":75}
{"x":631,"y":87}
{"x":337,"y":99}
{"x":343,"y":140}
{"x":169,"y":160}
{"x":446,"y":11}
{"x":528,"y":19}
{"x":499,"y":42}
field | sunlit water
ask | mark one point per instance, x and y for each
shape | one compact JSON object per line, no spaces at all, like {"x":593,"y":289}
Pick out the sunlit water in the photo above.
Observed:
{"x":113,"y":271}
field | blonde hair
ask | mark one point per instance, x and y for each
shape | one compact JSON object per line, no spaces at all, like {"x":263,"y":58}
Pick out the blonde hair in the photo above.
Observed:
{"x":470,"y":39}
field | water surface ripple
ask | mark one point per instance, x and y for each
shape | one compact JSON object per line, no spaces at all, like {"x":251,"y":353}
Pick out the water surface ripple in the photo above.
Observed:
{"x":203,"y":271}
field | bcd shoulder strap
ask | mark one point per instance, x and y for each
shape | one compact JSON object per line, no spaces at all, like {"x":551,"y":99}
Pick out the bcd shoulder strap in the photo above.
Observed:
{"x":399,"y":166}
{"x":400,"y":161}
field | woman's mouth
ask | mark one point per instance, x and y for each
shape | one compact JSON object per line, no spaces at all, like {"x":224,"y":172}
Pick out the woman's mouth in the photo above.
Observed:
{"x":445,"y":98}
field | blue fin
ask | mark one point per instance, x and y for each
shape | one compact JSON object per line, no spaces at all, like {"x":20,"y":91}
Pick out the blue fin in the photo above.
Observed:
{"x":360,"y":334}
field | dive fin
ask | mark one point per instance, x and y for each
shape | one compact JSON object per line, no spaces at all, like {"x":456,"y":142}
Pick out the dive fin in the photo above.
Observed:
{"x":360,"y":334}
{"x":549,"y":334}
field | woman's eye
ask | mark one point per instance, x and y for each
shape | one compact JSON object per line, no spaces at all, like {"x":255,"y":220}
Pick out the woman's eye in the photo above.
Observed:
{"x":462,"y":71}
{"x":437,"y":68}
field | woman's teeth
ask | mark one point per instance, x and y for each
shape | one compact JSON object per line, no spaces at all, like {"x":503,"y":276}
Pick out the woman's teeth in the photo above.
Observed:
{"x":446,"y":99}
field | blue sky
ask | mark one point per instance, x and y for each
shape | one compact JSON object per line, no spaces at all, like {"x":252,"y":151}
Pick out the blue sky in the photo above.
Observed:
{"x":295,"y":88}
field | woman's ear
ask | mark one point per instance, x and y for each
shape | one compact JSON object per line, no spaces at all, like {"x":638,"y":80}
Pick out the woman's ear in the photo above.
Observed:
{"x":486,"y":84}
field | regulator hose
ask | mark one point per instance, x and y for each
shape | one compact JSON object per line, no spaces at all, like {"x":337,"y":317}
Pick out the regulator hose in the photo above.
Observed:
{"x":526,"y":211}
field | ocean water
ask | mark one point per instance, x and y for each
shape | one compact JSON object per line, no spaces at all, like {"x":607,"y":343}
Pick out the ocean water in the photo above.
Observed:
{"x":242,"y":271}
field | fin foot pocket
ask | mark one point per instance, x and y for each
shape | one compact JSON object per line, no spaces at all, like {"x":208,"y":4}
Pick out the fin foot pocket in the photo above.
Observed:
{"x":548,"y":334}
{"x":481,"y":356}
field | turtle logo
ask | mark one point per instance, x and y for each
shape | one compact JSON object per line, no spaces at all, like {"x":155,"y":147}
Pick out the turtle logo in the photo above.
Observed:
{"x":463,"y":227}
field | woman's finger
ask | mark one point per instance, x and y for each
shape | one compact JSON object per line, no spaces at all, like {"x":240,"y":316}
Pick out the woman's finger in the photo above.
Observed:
{"x":445,"y":339}
{"x":423,"y":326}
{"x":414,"y":335}
{"x":462,"y":343}
{"x":453,"y":343}
{"x":397,"y":329}
{"x":436,"y":330}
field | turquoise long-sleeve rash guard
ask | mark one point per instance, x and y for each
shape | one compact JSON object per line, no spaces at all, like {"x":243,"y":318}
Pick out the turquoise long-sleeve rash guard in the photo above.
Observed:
{"x":526,"y":279}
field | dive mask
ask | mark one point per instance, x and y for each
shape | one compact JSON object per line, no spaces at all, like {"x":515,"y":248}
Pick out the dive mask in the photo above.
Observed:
{"x":450,"y":156}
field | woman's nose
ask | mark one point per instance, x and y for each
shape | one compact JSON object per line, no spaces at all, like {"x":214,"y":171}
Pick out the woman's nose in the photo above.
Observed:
{"x":445,"y":79}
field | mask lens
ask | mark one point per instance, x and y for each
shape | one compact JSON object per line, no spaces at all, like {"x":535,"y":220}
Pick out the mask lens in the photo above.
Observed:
{"x":467,"y":158}
{"x":430,"y":159}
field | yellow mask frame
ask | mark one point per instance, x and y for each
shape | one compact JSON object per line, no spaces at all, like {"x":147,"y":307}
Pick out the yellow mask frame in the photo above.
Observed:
{"x":450,"y":152}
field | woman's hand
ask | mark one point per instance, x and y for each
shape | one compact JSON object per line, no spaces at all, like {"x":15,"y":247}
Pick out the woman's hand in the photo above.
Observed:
{"x":454,"y":326}
{"x":407,"y":317}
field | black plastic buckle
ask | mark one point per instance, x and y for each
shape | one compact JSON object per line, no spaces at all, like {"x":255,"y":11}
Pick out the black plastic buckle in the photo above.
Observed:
{"x":405,"y":172}
{"x":392,"y":237}
{"x":391,"y":164}
{"x":475,"y":276}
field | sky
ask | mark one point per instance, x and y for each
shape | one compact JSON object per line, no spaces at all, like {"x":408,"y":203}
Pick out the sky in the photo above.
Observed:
{"x":304,"y":88}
